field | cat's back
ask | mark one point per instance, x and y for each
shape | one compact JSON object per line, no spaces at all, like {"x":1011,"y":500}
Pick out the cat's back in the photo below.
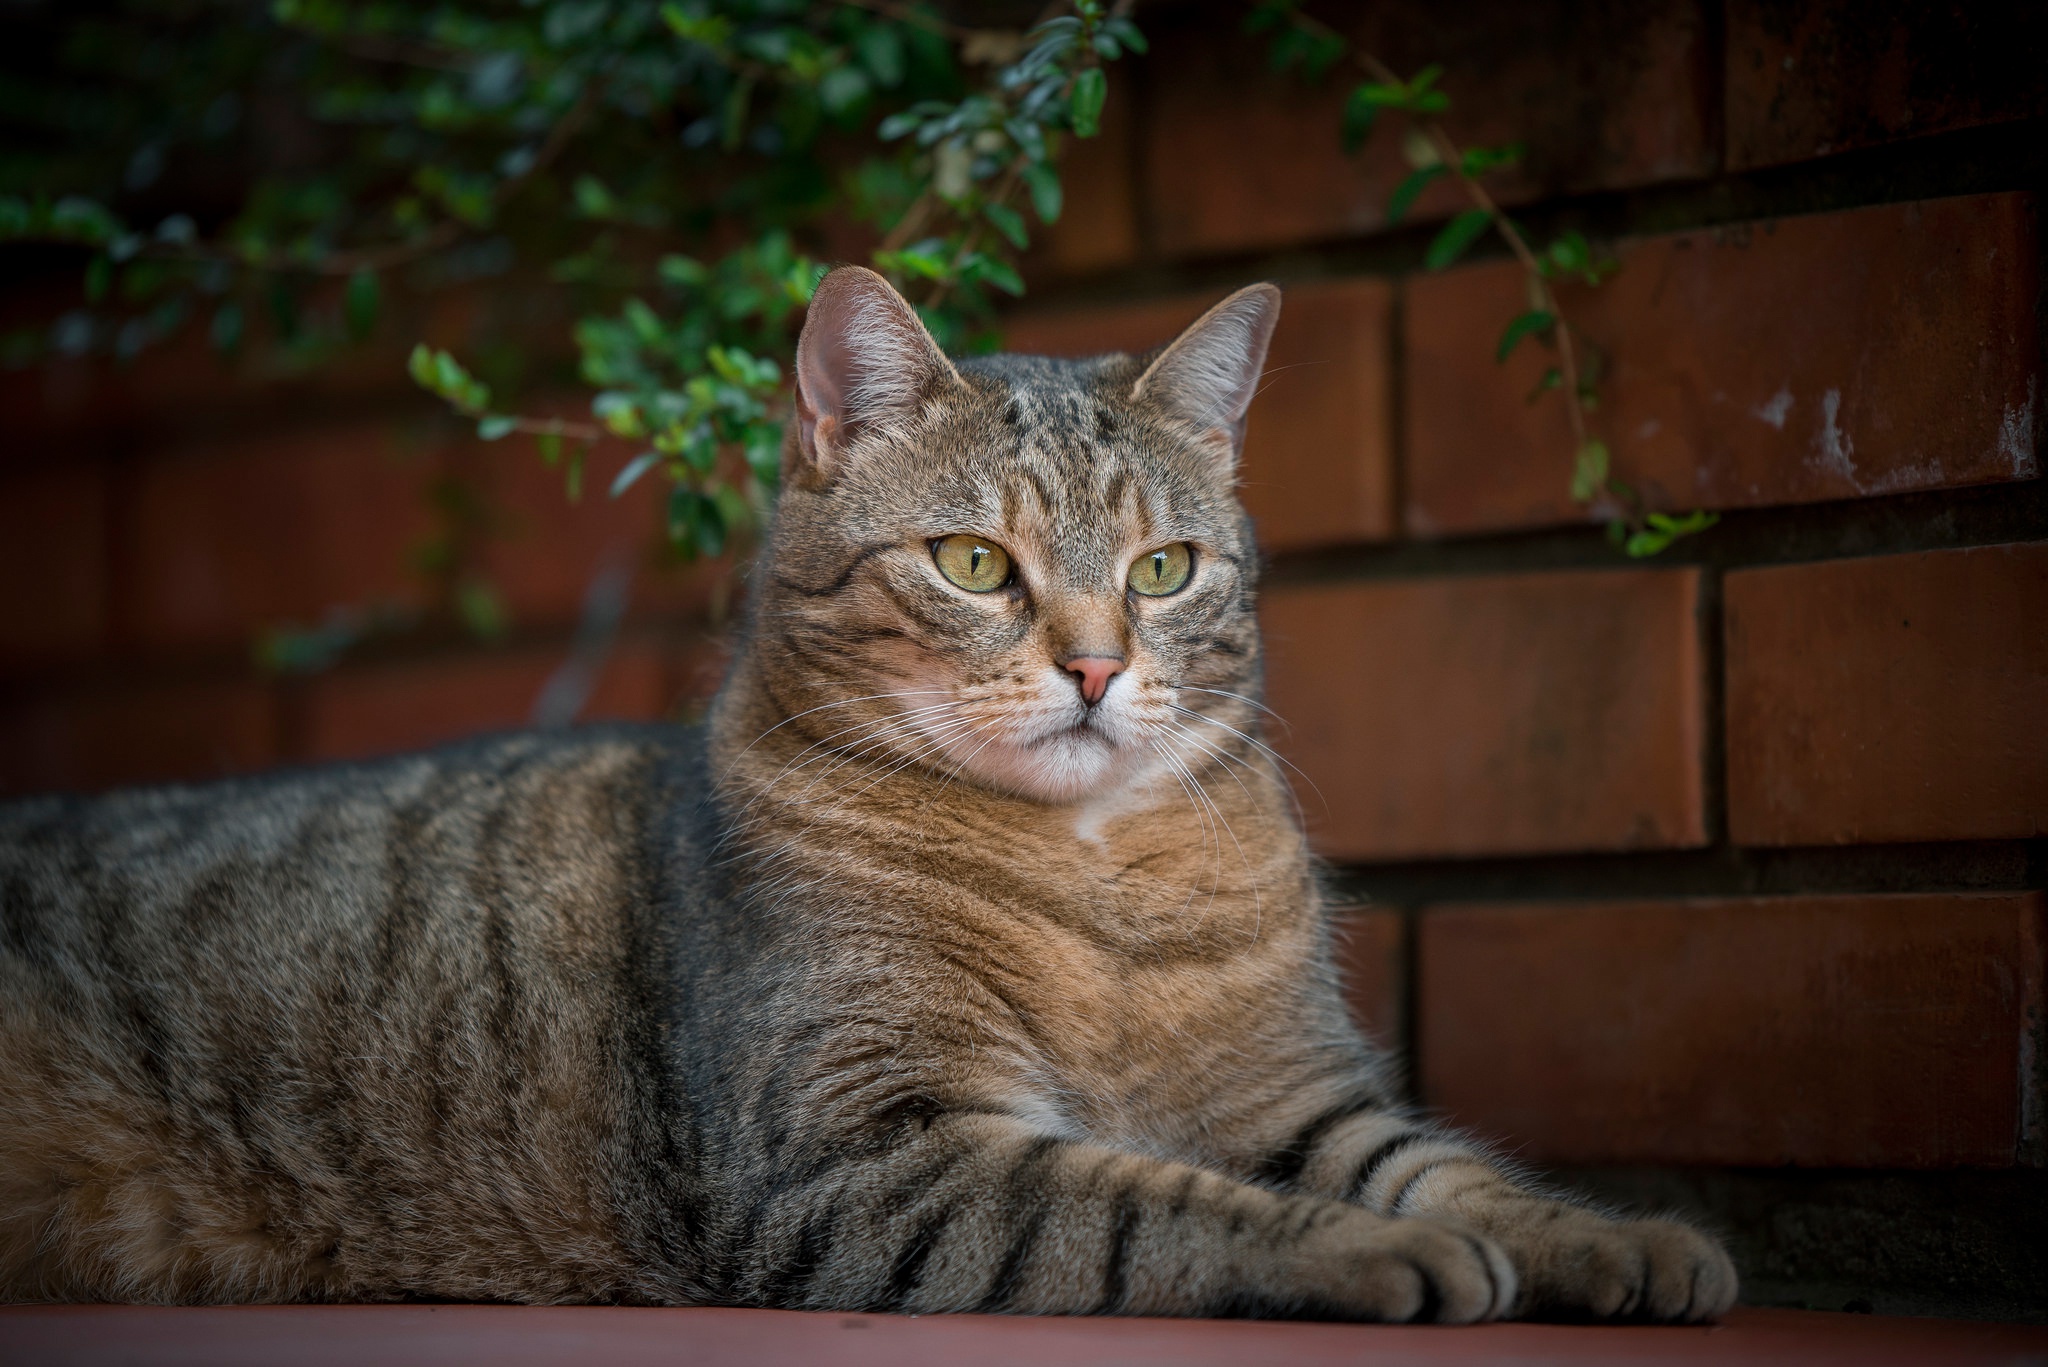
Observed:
{"x":294,"y":1025}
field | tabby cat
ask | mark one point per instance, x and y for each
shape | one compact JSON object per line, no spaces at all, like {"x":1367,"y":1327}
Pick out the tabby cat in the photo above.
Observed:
{"x":969,"y":959}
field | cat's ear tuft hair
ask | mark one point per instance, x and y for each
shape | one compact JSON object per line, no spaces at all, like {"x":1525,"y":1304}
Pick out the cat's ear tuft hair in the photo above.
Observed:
{"x":864,"y":360}
{"x":1210,"y":373}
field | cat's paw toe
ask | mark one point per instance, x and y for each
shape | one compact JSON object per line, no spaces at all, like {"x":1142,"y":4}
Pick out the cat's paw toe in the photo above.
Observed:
{"x":1637,"y":1269}
{"x":1437,"y":1271}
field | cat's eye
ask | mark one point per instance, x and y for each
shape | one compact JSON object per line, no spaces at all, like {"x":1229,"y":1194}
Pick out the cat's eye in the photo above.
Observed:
{"x":975,"y":564}
{"x":1158,"y":573}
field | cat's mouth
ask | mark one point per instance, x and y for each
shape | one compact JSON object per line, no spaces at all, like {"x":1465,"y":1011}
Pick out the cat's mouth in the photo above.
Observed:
{"x":1082,"y":729}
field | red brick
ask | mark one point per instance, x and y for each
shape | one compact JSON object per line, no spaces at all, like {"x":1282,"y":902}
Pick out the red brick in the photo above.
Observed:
{"x":1893,"y":1031}
{"x":231,"y":541}
{"x":151,"y":731}
{"x":53,"y":560}
{"x":1899,"y":697}
{"x":1238,"y":157}
{"x":1835,"y":356}
{"x":1318,"y":467}
{"x":387,"y":708}
{"x":1806,"y":79}
{"x":1370,"y":952}
{"x":1492,"y":715}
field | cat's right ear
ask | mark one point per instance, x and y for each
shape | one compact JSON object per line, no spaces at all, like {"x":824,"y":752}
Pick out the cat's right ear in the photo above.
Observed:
{"x":864,"y":361}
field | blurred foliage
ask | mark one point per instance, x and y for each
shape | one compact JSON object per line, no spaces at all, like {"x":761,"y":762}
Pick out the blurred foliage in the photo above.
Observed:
{"x":672,"y":170}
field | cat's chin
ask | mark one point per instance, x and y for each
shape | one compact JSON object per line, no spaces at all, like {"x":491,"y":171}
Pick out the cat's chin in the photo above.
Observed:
{"x":1068,"y":766}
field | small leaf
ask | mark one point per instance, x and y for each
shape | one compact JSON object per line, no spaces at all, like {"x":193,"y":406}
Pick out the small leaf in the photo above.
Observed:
{"x":480,"y":608}
{"x":1589,"y":472}
{"x":420,"y":365}
{"x":549,"y":444}
{"x":1359,"y":113}
{"x":493,"y":426}
{"x":1091,"y":89}
{"x":1477,"y":161}
{"x":1009,"y":223}
{"x":635,"y":468}
{"x":1457,"y":235}
{"x":998,"y":273}
{"x":1409,"y":190}
{"x":1126,"y":32}
{"x":361,"y":304}
{"x":1044,"y":184}
{"x":1535,"y":320}
{"x":1552,"y":378}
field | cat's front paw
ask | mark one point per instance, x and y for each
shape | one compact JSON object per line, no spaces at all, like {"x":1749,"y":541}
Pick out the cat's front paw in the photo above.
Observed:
{"x":1429,"y":1271}
{"x":1573,"y":1263}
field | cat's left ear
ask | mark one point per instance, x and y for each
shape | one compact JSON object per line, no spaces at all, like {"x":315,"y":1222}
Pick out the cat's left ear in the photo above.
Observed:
{"x":864,"y":360}
{"x":1210,"y":373}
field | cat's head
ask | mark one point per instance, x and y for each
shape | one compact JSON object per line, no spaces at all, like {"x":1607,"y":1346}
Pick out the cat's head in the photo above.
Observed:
{"x":1030,"y":574}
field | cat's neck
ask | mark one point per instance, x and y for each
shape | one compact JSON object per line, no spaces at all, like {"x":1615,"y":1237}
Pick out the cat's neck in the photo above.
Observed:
{"x":1215,"y":841}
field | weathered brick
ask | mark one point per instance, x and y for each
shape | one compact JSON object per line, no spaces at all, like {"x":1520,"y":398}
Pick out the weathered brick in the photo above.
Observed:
{"x":53,"y":561}
{"x":1864,"y":1031}
{"x":1492,"y":715}
{"x":1835,"y":356}
{"x":234,"y":540}
{"x":1318,"y":466}
{"x":1898,"y":697}
{"x":1239,"y":157}
{"x":1806,"y":79}
{"x":1370,"y":945}
{"x":387,"y":708}
{"x":147,"y":731}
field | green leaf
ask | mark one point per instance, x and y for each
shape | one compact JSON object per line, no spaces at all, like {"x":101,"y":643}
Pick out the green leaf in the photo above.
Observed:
{"x":1589,"y":471}
{"x":493,"y":426}
{"x":1552,"y":378}
{"x":1009,"y":223}
{"x":1091,"y":89}
{"x":635,"y":468}
{"x":480,"y":608}
{"x":1126,"y":32}
{"x":360,"y":305}
{"x":1359,"y":113}
{"x":683,"y":272}
{"x":1477,"y":161}
{"x":420,"y":365}
{"x":1534,"y":321}
{"x":549,"y":444}
{"x":1663,"y":529}
{"x":1410,"y":189}
{"x":991,"y":271}
{"x":1044,"y":184}
{"x":1457,"y":235}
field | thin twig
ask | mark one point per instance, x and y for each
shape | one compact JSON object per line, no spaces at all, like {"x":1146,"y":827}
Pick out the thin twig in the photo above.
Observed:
{"x":1452,"y":158}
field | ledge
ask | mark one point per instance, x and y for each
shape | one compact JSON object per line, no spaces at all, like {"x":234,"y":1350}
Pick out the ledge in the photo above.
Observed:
{"x":515,"y":1336}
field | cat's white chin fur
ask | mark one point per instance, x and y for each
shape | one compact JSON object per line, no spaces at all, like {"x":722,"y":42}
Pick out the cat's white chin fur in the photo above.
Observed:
{"x":1057,"y":751}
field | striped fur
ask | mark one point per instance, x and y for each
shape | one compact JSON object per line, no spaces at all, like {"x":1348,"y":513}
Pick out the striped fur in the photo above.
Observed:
{"x":855,"y":1001}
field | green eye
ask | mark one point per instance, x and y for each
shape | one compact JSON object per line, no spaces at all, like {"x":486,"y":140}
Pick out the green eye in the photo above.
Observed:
{"x":1158,"y":573}
{"x":974,"y":564}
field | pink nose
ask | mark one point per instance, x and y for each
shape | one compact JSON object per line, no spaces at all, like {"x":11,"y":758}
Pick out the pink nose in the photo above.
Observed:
{"x":1094,"y":672}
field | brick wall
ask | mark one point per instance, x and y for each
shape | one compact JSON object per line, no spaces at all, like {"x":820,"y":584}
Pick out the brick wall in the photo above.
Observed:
{"x":1713,"y":881}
